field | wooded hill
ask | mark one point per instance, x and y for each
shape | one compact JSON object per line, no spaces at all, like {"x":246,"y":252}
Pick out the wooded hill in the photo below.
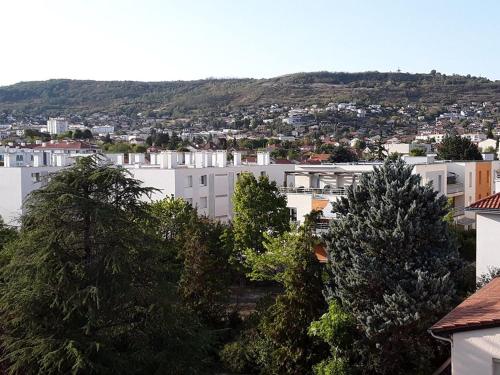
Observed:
{"x":179,"y":98}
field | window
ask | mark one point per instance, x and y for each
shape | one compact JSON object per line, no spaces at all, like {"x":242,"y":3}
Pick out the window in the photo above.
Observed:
{"x":263,"y":173}
{"x":470,"y":179}
{"x":293,"y":214}
{"x":189,"y":181}
{"x":189,"y":200}
{"x":203,"y":180}
{"x":36,"y":177}
{"x":440,"y":178}
{"x":496,"y":366}
{"x":470,"y":199}
{"x":19,"y":158}
{"x":203,"y":202}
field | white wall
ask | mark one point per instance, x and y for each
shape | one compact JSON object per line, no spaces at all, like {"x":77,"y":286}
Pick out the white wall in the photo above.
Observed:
{"x":473,"y":351}
{"x":218,"y":191}
{"x":487,"y":242}
{"x":15,"y":185}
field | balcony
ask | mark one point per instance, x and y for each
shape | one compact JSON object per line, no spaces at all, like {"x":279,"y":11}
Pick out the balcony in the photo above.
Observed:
{"x":313,"y":191}
{"x":455,"y":189}
{"x":457,"y":211}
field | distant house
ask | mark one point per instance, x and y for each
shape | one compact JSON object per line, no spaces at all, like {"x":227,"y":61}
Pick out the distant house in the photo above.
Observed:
{"x":473,"y":330}
{"x":319,"y":157}
{"x":487,"y":212}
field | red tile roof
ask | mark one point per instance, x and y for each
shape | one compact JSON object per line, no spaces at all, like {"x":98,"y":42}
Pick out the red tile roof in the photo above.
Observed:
{"x":320,"y":252}
{"x":480,"y":310}
{"x":282,"y":161}
{"x":319,"y":157}
{"x":489,"y":203}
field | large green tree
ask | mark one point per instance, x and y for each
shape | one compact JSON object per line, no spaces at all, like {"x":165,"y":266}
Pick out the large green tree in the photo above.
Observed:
{"x":455,"y":147}
{"x":82,"y":290}
{"x":259,"y":208}
{"x":392,"y":261}
{"x":197,"y":250}
{"x":279,"y":342}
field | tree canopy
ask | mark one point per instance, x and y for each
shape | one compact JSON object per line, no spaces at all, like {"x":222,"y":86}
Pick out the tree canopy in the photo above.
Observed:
{"x":392,"y":260}
{"x":455,"y":147}
{"x":82,"y":290}
{"x":259,"y":207}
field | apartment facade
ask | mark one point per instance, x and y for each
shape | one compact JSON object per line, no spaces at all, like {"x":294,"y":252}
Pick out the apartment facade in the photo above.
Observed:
{"x":203,"y":178}
{"x":57,"y":125}
{"x":487,"y":212}
{"x":461,"y":182}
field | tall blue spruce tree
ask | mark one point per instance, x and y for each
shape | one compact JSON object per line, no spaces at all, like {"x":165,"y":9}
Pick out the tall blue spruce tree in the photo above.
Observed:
{"x":392,"y":263}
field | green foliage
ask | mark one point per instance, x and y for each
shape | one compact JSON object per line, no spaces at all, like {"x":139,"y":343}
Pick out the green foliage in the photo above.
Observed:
{"x":179,"y":98}
{"x":391,"y":261}
{"x":337,"y":329}
{"x":258,"y":208}
{"x":83,"y":291}
{"x":418,"y":152}
{"x":281,"y":341}
{"x":206,"y":276}
{"x":485,"y":278}
{"x":342,"y":154}
{"x":7,"y":234}
{"x":455,"y":147}
{"x":197,"y":252}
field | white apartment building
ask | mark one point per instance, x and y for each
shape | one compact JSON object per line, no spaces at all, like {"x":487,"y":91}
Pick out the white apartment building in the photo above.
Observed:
{"x":103,"y":129}
{"x":438,"y":137}
{"x":487,"y":213}
{"x":15,"y":184}
{"x":316,"y":186}
{"x":203,"y":178}
{"x":57,"y":125}
{"x":406,"y":148}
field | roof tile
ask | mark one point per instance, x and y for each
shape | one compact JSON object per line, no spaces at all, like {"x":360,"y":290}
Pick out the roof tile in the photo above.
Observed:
{"x":489,"y":203}
{"x":479,"y":310}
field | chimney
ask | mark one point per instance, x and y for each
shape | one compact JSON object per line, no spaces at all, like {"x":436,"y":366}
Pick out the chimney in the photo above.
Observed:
{"x":236,"y":158}
{"x":120,"y":159}
{"x":199,"y":159}
{"x":136,"y":158}
{"x":153,"y":159}
{"x":263,"y":158}
{"x":221,"y":158}
{"x":188,"y":158}
{"x":37,"y":159}
{"x":7,"y":160}
{"x":171,"y":159}
{"x":208,"y":158}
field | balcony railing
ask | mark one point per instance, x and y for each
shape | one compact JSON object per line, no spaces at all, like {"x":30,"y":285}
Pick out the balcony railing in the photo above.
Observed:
{"x":455,"y":188}
{"x":303,"y":190}
{"x":457,"y":211}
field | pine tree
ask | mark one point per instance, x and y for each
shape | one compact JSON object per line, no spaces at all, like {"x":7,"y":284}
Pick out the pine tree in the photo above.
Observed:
{"x":392,"y":262}
{"x":82,"y":290}
{"x":206,"y":278}
{"x":455,"y":147}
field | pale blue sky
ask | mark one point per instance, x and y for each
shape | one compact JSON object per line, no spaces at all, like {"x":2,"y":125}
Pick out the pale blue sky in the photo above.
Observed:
{"x":190,"y":39}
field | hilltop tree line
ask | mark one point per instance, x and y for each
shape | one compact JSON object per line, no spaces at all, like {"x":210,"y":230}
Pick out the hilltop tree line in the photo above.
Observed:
{"x":181,"y":98}
{"x":99,"y":280}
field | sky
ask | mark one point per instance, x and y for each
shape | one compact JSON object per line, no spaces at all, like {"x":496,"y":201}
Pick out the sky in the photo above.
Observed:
{"x":158,"y":40}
